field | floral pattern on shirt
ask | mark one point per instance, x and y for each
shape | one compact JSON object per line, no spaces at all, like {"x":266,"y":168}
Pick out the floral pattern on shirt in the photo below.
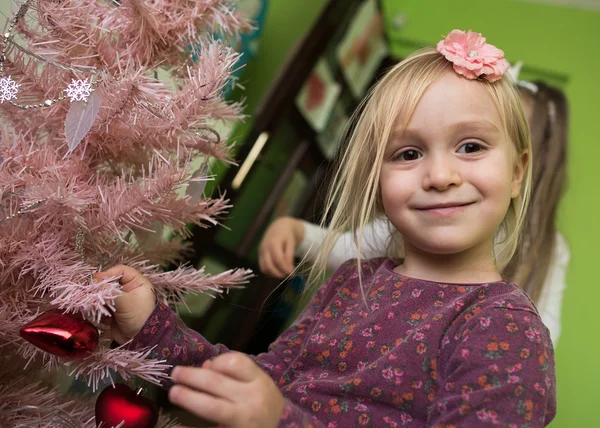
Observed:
{"x":410,"y":353}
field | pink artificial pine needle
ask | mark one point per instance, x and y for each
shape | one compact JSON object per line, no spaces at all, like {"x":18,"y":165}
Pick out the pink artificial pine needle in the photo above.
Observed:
{"x":69,"y":207}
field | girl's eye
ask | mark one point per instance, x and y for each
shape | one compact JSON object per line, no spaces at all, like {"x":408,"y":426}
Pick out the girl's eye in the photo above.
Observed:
{"x":409,"y":155}
{"x":470,"y":148}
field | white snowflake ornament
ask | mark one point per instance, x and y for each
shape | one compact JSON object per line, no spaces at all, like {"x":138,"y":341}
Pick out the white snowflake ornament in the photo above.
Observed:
{"x":79,"y":90}
{"x":8,"y":89}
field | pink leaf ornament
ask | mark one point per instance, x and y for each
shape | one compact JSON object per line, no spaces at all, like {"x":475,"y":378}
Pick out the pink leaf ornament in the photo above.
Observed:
{"x":80,"y":118}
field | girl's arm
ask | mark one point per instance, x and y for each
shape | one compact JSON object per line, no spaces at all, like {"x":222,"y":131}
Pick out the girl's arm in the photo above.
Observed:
{"x":179,"y":345}
{"x":375,"y":240}
{"x":497,"y":368}
{"x":172,"y":340}
{"x":550,"y":301}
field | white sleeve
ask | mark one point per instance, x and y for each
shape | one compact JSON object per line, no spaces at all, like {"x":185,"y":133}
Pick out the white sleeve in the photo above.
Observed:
{"x":375,"y":238}
{"x":550,"y":301}
{"x":313,"y":236}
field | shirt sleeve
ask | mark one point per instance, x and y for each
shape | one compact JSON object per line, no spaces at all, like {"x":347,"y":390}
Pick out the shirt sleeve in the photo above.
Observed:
{"x":550,"y":301}
{"x":171,"y":340}
{"x":497,"y":369}
{"x":375,"y":241}
{"x":313,"y":236}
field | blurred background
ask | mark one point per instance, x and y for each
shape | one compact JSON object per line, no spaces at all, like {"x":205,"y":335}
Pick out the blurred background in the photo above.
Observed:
{"x":306,"y":66}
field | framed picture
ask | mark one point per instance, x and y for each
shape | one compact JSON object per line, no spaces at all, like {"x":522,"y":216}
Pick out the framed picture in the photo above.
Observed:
{"x":330,"y":139}
{"x":318,"y":96}
{"x":363,"y":48}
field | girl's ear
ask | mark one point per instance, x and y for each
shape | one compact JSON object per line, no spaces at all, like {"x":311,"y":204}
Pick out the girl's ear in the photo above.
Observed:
{"x":519,"y":174}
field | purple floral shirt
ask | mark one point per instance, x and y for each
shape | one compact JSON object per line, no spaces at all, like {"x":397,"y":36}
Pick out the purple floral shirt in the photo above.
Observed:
{"x":419,"y":354}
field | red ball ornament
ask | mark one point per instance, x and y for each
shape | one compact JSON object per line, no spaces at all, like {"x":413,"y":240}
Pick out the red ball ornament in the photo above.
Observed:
{"x":65,"y":335}
{"x":120,"y":404}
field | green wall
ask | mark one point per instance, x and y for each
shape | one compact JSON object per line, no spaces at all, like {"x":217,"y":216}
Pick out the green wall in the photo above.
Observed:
{"x":565,"y":41}
{"x":286,"y":23}
{"x":5,"y":10}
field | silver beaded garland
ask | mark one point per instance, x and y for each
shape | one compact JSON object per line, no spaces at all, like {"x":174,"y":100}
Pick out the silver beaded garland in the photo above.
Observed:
{"x":7,"y":36}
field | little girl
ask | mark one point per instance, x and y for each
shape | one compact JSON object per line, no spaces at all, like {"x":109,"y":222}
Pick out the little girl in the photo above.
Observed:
{"x":540,"y":264}
{"x":436,"y":339}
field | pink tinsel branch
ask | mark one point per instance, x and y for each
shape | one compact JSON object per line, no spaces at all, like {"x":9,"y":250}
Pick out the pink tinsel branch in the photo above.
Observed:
{"x":165,"y":421}
{"x":126,"y":364}
{"x":94,"y":298}
{"x":14,"y":313}
{"x":137,"y":205}
{"x":31,"y":404}
{"x":158,"y":251}
{"x":130,"y":93}
{"x":50,"y":408}
{"x":129,"y":173}
{"x":172,"y":286}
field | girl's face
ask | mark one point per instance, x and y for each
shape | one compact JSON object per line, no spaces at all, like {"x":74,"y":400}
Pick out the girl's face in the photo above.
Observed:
{"x":447,"y":180}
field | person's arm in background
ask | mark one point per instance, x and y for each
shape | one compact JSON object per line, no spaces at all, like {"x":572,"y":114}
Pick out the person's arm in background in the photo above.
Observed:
{"x":375,"y":240}
{"x":550,"y":301}
{"x":287,"y":237}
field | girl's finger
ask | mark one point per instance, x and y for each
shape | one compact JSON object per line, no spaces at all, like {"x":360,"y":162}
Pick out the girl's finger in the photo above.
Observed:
{"x":279,"y":262}
{"x":288,"y":256}
{"x":237,"y":366}
{"x":126,"y":273}
{"x":206,"y":380}
{"x":130,"y":278}
{"x":203,"y":405}
{"x":269,"y":267}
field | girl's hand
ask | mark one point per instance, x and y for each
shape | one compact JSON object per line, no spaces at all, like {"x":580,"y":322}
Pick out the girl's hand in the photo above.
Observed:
{"x":230,"y":390}
{"x":134,"y":306}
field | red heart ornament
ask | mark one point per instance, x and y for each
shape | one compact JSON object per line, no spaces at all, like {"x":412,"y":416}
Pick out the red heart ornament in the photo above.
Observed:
{"x":120,"y":405}
{"x":65,"y":335}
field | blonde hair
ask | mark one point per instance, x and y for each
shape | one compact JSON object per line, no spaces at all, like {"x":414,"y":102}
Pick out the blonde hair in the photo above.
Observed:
{"x":354,"y":198}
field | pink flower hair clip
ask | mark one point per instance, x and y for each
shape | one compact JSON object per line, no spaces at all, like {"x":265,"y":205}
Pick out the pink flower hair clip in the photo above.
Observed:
{"x":472,"y":57}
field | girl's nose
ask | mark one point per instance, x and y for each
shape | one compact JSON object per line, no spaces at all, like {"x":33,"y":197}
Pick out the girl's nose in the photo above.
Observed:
{"x":442,"y":173}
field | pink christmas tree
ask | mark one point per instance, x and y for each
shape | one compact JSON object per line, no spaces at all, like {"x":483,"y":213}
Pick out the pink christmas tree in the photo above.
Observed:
{"x":106,"y":108}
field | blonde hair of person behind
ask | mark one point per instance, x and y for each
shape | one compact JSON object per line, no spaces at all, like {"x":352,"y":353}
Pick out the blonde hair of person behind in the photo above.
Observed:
{"x":549,"y":129}
{"x":354,"y":197}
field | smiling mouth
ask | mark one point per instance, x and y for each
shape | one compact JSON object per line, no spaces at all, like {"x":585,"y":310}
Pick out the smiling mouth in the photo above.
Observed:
{"x":445,"y":209}
{"x":444,"y":206}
